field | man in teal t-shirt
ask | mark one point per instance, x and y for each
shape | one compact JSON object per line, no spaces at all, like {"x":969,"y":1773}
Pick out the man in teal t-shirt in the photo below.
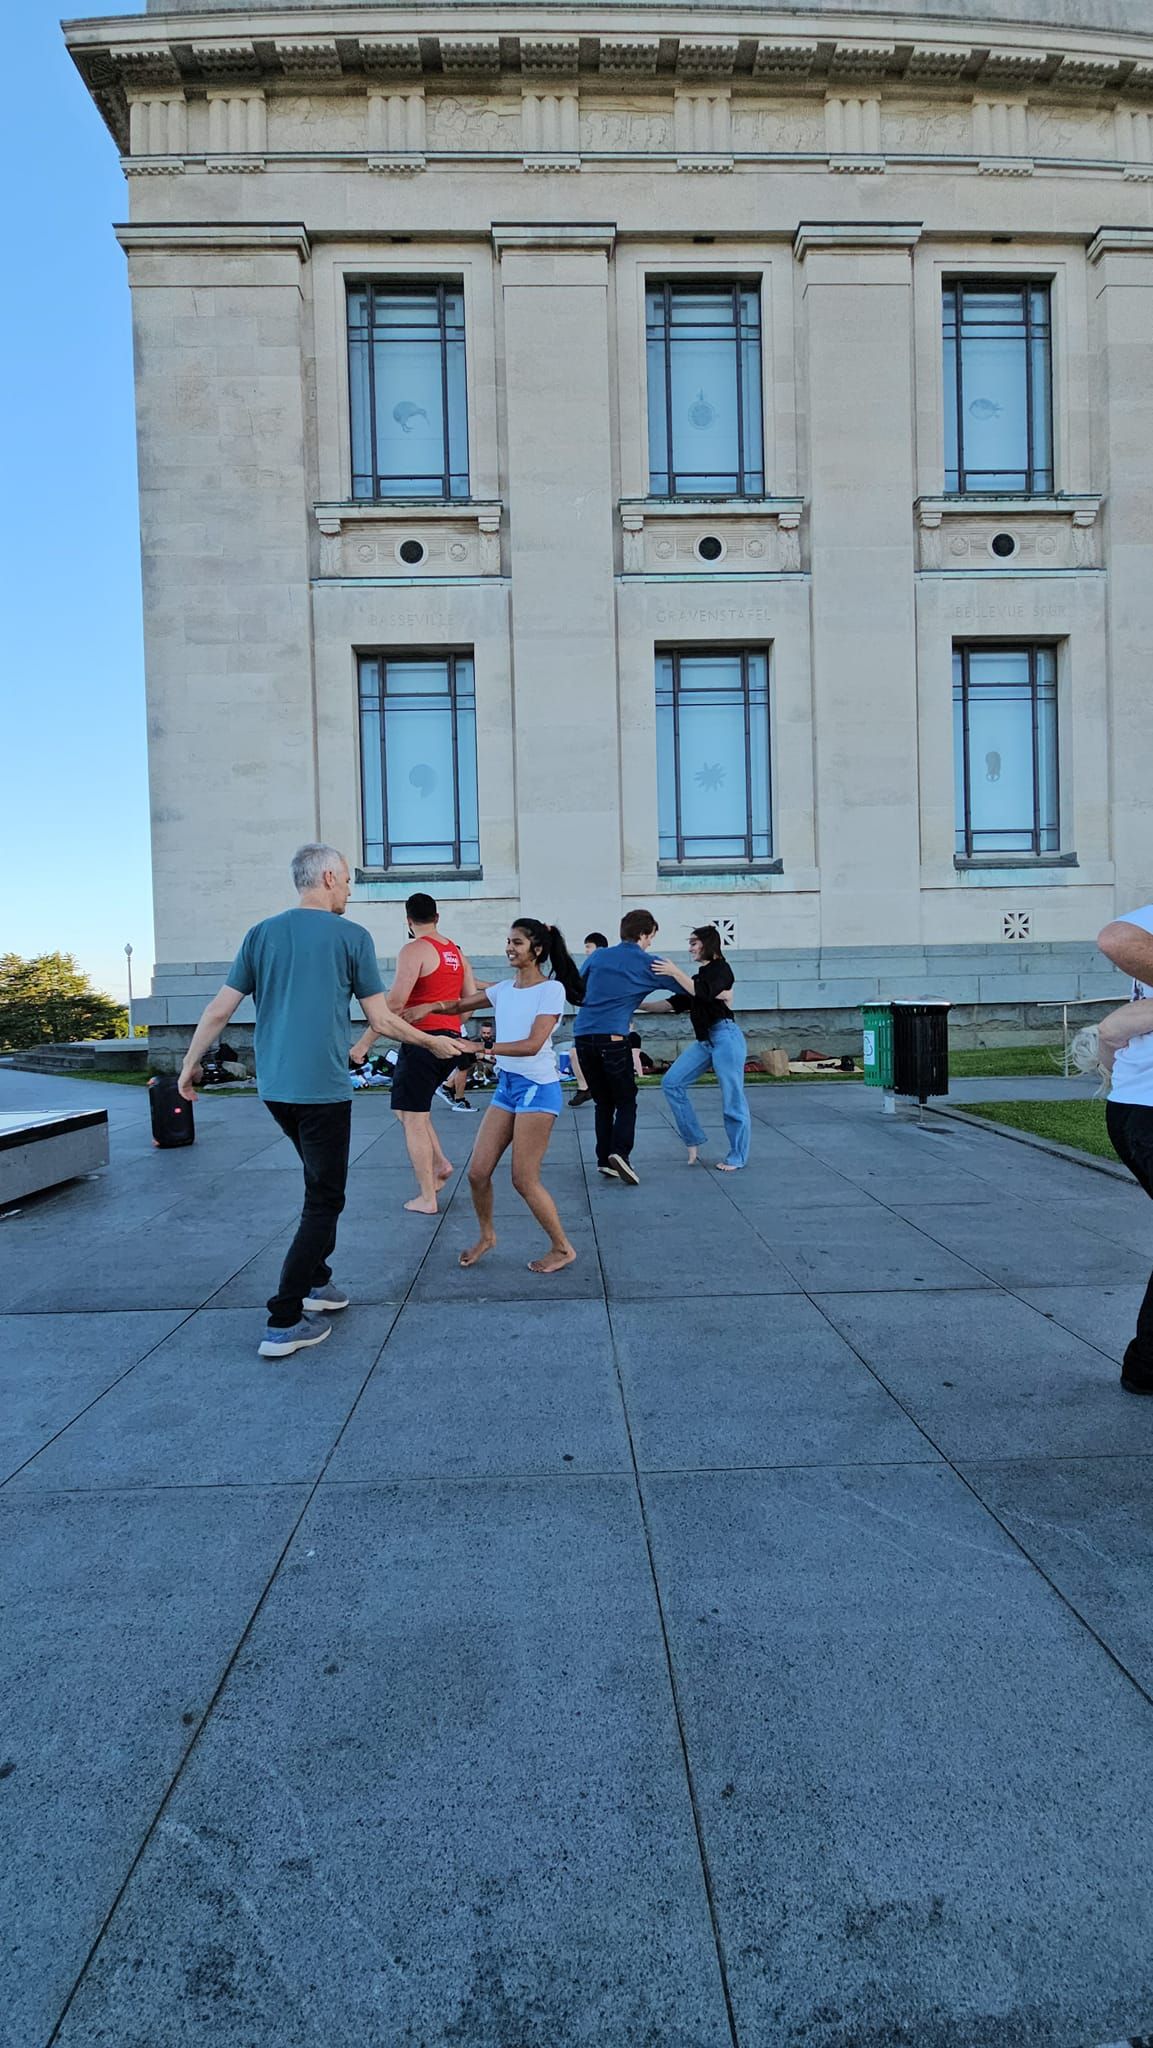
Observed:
{"x":303,"y":968}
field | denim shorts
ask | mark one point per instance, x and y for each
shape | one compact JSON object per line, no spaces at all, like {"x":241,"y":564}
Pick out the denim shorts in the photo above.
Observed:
{"x":517,"y":1093}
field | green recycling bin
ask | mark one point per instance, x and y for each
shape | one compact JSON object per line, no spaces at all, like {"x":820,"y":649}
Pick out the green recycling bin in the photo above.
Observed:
{"x":877,"y":1019}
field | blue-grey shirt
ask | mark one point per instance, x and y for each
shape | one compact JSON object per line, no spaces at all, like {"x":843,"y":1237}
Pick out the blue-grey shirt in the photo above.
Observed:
{"x":617,"y":978}
{"x":303,"y":968}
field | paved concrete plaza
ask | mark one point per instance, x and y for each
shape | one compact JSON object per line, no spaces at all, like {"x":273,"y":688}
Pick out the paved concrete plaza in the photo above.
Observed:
{"x":746,"y":1637}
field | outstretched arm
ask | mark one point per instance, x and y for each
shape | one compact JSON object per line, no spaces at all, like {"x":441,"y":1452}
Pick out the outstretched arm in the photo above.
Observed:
{"x":384,"y":1023}
{"x":1129,"y":947}
{"x":219,"y":1011}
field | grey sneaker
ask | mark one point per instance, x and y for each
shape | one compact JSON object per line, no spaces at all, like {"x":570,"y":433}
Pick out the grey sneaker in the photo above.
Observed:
{"x":281,"y":1343}
{"x":461,"y":1106}
{"x":323,"y":1299}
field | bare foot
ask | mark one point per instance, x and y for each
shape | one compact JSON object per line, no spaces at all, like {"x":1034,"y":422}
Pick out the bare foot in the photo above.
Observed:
{"x":723,"y":1168}
{"x":554,"y":1261}
{"x":477,"y":1251}
{"x":420,"y":1207}
{"x":692,"y":1158}
{"x":444,"y":1173}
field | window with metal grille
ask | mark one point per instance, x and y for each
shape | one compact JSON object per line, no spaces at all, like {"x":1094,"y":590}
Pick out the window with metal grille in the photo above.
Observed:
{"x":1005,"y":750}
{"x":418,"y":760}
{"x":713,"y":776}
{"x":704,"y":390}
{"x":406,"y":380}
{"x":998,"y":386}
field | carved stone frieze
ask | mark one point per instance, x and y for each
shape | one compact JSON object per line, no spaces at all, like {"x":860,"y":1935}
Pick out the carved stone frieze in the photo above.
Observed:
{"x":624,"y":127}
{"x":683,"y":538}
{"x":408,"y":540}
{"x":472,"y":124}
{"x":1013,"y":534}
{"x":785,"y":129}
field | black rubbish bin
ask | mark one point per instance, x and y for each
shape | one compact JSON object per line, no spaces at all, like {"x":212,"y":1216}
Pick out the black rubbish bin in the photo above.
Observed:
{"x":921,"y":1049}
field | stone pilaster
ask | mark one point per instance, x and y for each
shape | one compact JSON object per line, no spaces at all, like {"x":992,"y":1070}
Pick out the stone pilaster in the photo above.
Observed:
{"x":1121,"y":272}
{"x":223,"y":515}
{"x":554,"y":288}
{"x":857,"y":328}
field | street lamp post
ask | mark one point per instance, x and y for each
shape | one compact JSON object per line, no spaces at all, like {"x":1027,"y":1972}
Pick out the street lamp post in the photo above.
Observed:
{"x":128,"y":957}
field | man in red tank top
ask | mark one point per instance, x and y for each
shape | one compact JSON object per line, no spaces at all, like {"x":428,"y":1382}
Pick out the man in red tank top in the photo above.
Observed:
{"x":429,"y":970}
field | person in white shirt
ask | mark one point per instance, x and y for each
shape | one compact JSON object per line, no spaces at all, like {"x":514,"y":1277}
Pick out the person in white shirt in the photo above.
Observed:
{"x":527,"y":1008}
{"x":1126,"y":1044}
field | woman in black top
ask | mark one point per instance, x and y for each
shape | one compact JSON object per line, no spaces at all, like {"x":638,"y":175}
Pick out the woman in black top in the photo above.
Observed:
{"x":717,"y":1042}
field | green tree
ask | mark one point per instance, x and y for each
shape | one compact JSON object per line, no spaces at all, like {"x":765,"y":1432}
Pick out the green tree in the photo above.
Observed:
{"x":48,"y":1001}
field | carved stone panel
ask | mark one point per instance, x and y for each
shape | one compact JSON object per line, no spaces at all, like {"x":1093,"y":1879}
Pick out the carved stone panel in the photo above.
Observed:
{"x":472,"y":126}
{"x":355,"y":542}
{"x":658,"y":539}
{"x":1013,"y":539}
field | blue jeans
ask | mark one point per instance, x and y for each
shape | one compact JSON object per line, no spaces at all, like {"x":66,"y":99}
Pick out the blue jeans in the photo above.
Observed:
{"x":725,"y":1054}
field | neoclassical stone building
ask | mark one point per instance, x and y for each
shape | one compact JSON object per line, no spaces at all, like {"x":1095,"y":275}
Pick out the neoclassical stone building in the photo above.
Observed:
{"x":593,"y":455}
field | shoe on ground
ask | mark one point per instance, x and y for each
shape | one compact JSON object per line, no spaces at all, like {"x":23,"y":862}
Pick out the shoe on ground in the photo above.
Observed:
{"x":623,"y":1170}
{"x":462,"y":1106}
{"x":325,"y":1300}
{"x":1136,"y":1373}
{"x":282,"y":1343}
{"x":446,"y":1094}
{"x":582,"y":1096}
{"x":610,"y":1172}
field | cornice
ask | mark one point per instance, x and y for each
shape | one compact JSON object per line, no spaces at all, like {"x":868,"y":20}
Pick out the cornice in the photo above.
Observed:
{"x":273,"y":235}
{"x":883,"y":234}
{"x":578,"y":236}
{"x":1121,"y":242}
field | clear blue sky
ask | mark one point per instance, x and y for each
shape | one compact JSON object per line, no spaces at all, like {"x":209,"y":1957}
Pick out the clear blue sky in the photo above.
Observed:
{"x":73,"y":769}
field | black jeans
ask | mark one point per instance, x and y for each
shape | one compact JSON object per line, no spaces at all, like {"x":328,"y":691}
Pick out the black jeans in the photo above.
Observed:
{"x":607,"y":1065}
{"x":1130,"y":1128}
{"x":320,"y":1132}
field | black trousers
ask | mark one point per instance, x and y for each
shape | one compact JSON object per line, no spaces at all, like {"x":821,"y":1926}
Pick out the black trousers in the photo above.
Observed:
{"x":1130,"y":1128}
{"x":607,"y":1065}
{"x":320,"y":1132}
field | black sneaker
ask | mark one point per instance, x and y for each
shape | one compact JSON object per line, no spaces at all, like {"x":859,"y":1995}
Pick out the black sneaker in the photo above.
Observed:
{"x":610,"y":1172}
{"x":461,"y":1106}
{"x":623,"y":1170}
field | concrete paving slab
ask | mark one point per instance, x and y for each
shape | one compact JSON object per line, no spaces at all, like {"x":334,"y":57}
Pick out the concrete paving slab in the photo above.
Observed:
{"x":122,"y":1613}
{"x":922,"y":1784}
{"x":866,"y":1249}
{"x":55,"y":1365}
{"x":1088,"y":1523}
{"x":1105,"y":1316}
{"x":721,"y":1258}
{"x":751,"y":1381}
{"x":203,"y":1409}
{"x":442,"y":1799}
{"x":503,"y":1275}
{"x":160,"y":1265}
{"x":531,"y":1389}
{"x":378,"y":1254}
{"x":1019,"y":1244}
{"x":987,"y":1376}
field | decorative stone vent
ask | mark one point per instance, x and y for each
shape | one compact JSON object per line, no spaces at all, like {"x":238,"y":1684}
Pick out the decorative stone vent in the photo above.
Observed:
{"x":753,"y":536}
{"x":408,"y":539}
{"x":973,"y":532}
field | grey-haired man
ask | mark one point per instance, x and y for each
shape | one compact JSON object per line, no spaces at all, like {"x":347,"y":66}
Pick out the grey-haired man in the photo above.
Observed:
{"x":303,"y":967}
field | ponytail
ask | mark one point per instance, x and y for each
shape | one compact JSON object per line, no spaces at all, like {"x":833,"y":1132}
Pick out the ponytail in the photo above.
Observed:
{"x":548,"y":944}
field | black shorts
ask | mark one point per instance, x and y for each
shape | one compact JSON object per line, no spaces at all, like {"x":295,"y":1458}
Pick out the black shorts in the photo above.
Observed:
{"x":418,"y":1074}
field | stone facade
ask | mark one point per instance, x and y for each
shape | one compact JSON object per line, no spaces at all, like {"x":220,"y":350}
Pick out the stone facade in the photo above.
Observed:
{"x":846,"y":164}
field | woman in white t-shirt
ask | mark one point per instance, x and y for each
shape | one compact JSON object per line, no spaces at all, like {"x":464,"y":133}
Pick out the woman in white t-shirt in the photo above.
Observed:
{"x":527,"y":1008}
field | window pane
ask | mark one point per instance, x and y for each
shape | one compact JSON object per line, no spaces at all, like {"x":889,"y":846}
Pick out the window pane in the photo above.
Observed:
{"x":1048,"y":791}
{"x":666,"y":782}
{"x":410,"y":447}
{"x":704,"y":413}
{"x":373,"y":792}
{"x":457,"y":418}
{"x":658,"y":421}
{"x":418,"y":767}
{"x":1042,"y":424}
{"x":714,"y":811}
{"x":952,"y":452}
{"x":994,"y":412}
